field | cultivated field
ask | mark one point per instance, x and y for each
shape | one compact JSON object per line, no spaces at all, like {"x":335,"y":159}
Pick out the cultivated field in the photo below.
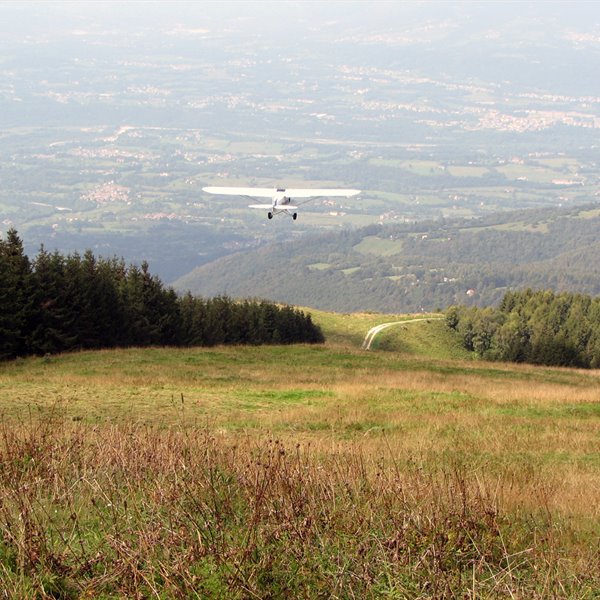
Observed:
{"x":308,"y":472}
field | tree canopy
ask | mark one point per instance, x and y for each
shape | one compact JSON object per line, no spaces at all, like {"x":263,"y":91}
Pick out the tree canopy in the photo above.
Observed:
{"x":57,"y":303}
{"x":539,"y":327}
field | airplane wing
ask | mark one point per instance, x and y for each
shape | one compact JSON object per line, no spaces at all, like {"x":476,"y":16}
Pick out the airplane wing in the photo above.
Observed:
{"x":318,"y":193}
{"x":290,"y":193}
{"x":241,"y":191}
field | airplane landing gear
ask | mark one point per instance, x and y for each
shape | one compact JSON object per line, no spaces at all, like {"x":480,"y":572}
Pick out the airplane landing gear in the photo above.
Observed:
{"x":270,"y":215}
{"x":295,"y":216}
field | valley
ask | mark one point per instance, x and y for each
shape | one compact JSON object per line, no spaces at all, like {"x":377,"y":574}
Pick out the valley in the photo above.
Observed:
{"x":113,"y":164}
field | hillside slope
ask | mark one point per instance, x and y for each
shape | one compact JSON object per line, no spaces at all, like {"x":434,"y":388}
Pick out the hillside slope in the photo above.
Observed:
{"x":300,"y":469}
{"x":417,"y":267}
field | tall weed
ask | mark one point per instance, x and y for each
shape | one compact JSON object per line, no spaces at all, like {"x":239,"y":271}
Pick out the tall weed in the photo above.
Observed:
{"x":138,"y":511}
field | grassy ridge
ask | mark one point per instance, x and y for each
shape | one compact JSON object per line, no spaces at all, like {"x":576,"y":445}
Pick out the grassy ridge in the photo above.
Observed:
{"x":425,"y":338}
{"x":350,"y":329}
{"x":302,"y":471}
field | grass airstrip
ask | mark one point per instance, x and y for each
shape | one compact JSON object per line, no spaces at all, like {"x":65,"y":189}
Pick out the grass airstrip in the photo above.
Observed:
{"x":411,"y":470}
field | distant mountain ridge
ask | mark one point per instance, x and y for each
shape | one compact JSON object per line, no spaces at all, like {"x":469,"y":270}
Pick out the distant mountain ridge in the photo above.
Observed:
{"x":417,"y":267}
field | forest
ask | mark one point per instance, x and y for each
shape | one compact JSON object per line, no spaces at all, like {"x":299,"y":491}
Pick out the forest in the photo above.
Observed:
{"x":57,"y":303}
{"x":414,"y":267}
{"x":538,"y":327}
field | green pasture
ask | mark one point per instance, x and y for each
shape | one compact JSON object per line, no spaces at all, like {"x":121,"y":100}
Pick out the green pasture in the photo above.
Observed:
{"x":379,"y":246}
{"x":386,"y":162}
{"x":541,"y":227}
{"x":255,"y":147}
{"x":457,"y":212}
{"x":414,"y":373}
{"x":342,"y":219}
{"x":426,"y":338}
{"x":319,"y":266}
{"x":279,"y":471}
{"x":528,"y":172}
{"x":467,"y":171}
{"x":227,"y":384}
{"x":589,"y":214}
{"x":350,"y":329}
{"x":560,"y":163}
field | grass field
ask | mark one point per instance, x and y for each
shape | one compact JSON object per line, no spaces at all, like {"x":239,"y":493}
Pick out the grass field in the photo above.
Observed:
{"x":302,"y":471}
{"x":467,"y":171}
{"x":379,"y":246}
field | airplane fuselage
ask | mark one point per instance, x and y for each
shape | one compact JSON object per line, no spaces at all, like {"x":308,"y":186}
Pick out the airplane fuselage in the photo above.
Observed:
{"x":281,"y":203}
{"x":280,"y":199}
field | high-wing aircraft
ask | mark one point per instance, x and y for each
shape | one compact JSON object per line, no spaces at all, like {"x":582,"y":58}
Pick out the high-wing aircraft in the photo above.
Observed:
{"x":281,"y":198}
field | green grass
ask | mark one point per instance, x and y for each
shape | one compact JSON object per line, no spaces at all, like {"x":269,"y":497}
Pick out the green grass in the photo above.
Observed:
{"x":301,"y":471}
{"x":560,"y":163}
{"x":323,"y":219}
{"x":428,"y":168}
{"x":351,"y":329}
{"x":319,"y":266}
{"x":530,"y":173}
{"x":379,"y":246}
{"x":589,"y":214}
{"x":467,"y":171}
{"x":254,"y":148}
{"x":386,"y":162}
{"x":432,"y":339}
{"x":540,"y":227}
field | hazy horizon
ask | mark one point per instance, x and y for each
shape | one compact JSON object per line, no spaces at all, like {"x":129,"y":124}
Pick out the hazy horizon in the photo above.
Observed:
{"x":114,"y":115}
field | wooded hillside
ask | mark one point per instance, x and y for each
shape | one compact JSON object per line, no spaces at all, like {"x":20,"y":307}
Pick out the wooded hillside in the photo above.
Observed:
{"x":415,"y":267}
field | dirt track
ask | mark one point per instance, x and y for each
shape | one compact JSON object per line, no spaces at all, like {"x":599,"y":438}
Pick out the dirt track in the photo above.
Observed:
{"x":366,"y":345}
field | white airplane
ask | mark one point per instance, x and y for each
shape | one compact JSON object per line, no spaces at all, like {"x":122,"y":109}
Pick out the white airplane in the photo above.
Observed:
{"x":281,"y":198}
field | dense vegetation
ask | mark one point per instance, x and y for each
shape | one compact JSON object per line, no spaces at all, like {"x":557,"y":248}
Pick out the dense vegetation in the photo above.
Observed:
{"x":59,"y":303}
{"x":418,"y":266}
{"x":190,"y":515}
{"x":538,"y":327}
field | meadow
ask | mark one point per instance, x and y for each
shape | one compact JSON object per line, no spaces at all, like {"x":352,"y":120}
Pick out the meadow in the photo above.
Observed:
{"x":410,"y":471}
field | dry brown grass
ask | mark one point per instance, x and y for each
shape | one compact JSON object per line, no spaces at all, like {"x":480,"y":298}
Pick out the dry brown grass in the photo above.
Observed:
{"x":301,"y":472}
{"x":135,"y":511}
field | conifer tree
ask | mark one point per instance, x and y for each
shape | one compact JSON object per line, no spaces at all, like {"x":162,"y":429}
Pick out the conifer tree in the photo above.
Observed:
{"x":52,"y":325}
{"x":59,"y":303}
{"x":10,"y":330}
{"x":15,"y":292}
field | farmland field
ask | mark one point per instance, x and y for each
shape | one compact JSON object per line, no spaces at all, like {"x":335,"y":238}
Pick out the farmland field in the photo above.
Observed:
{"x":303,"y":471}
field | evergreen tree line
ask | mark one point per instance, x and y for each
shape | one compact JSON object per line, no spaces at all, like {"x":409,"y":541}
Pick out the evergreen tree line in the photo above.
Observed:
{"x":539,"y":327}
{"x":59,"y":303}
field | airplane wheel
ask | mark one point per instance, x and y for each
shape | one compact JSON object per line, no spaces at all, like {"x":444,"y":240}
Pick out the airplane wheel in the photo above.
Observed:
{"x":295,"y":216}
{"x":270,"y":215}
